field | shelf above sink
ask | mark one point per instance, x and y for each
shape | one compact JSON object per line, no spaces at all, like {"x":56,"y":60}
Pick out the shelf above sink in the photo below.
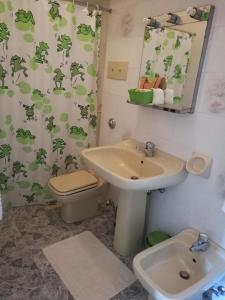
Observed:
{"x":176,"y":108}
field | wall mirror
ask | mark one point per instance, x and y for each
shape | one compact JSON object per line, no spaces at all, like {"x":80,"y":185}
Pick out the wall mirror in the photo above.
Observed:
{"x":174,"y":49}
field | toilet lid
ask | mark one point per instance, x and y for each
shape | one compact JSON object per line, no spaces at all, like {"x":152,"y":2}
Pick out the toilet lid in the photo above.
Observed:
{"x":76,"y":181}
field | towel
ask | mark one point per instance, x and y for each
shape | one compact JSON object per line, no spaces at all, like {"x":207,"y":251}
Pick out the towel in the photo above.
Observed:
{"x":162,"y":84}
{"x":150,"y":83}
{"x":158,"y":97}
{"x":169,"y":94}
{"x":157,"y":82}
{"x":142,"y":81}
{"x":146,"y":83}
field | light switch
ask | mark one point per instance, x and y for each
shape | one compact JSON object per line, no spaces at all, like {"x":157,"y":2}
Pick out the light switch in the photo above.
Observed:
{"x":117,"y":70}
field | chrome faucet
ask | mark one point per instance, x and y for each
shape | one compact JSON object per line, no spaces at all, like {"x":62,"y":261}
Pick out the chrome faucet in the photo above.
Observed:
{"x":219,"y":291}
{"x":149,"y":149}
{"x":202,"y":243}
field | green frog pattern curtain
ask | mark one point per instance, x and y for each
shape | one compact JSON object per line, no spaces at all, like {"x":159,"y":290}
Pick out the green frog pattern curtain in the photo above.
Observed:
{"x":166,"y":53}
{"x":48,"y":72}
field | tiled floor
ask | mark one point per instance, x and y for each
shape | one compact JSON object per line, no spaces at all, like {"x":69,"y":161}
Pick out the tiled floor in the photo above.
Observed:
{"x":25,"y":272}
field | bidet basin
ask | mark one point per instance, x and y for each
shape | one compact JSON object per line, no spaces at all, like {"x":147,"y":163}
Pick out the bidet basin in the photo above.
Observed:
{"x":125,"y":166}
{"x":171,"y":271}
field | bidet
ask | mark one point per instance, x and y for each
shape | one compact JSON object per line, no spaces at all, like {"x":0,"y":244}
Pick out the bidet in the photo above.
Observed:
{"x":170,"y":271}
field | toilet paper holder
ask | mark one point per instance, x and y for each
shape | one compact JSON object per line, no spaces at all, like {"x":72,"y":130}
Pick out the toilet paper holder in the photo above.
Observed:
{"x":199,"y":165}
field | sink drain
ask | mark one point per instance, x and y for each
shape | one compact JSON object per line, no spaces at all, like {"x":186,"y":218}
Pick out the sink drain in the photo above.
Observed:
{"x":184,"y":275}
{"x":134,"y":177}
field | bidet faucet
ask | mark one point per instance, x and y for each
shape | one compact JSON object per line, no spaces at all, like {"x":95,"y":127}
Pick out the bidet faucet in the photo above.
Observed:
{"x":202,"y":243}
{"x":149,"y":149}
{"x":208,"y":295}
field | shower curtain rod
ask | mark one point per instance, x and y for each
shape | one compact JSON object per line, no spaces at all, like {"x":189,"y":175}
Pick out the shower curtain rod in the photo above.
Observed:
{"x":108,"y":10}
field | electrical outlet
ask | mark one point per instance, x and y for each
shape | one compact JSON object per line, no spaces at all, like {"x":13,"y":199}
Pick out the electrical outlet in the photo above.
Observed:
{"x":117,"y":70}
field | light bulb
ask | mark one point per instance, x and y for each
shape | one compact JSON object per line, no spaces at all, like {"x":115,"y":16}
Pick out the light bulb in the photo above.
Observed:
{"x":191,"y":11}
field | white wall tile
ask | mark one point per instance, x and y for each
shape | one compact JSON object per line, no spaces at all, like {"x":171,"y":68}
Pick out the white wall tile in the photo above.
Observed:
{"x":198,"y":201}
{"x":212,"y":94}
{"x":125,"y":49}
{"x":121,"y":87}
{"x":215,"y":53}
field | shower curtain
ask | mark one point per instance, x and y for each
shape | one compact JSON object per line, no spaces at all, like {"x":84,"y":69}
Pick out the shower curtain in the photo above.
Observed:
{"x":166,"y":53}
{"x":48,"y":72}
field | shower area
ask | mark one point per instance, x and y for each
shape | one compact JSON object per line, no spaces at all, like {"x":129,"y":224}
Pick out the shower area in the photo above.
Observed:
{"x":49,"y":63}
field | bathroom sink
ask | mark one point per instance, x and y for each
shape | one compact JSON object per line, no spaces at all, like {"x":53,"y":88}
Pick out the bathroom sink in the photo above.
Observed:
{"x":126,"y":166}
{"x":171,"y":271}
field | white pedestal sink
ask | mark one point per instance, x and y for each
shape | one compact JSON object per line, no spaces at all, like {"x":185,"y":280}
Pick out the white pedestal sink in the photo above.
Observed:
{"x":126,"y":167}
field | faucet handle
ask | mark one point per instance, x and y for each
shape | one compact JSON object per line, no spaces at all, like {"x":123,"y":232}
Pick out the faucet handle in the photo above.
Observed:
{"x":149,"y":145}
{"x":203,"y":237}
{"x":221,"y":290}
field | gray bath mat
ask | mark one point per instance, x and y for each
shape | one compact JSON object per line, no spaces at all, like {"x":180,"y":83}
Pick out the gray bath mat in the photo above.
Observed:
{"x":88,"y":269}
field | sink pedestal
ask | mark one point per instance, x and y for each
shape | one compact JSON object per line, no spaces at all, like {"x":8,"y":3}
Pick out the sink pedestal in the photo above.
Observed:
{"x":130,"y":221}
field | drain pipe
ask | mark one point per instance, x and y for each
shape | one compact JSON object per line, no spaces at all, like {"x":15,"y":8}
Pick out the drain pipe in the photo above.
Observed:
{"x":148,"y":196}
{"x":110,"y":203}
{"x":149,"y":192}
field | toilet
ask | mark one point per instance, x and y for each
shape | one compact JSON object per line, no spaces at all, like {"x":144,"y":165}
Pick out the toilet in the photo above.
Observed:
{"x":80,"y":194}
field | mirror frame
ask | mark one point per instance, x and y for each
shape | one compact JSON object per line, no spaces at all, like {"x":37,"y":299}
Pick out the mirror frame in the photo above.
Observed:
{"x":202,"y":58}
{"x":191,"y":109}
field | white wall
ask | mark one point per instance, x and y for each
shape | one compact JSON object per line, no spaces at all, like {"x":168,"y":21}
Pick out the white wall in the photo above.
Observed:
{"x":197,"y":202}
